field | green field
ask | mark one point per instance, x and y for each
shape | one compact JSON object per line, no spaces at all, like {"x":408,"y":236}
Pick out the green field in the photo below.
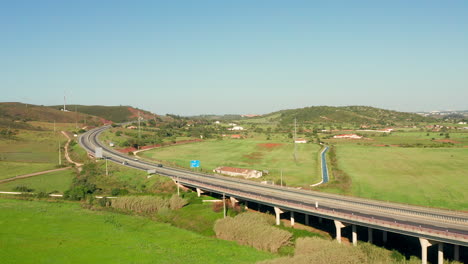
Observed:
{"x":10,"y":169}
{"x":434,"y":177}
{"x":41,"y":232}
{"x":58,"y":181}
{"x":247,"y":153}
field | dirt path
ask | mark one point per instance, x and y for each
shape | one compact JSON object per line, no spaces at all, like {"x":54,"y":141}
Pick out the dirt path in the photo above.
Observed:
{"x":67,"y":156}
{"x":32,"y":174}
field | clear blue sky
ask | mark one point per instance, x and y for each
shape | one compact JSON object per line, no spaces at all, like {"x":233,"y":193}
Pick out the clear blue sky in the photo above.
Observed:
{"x":220,"y":57}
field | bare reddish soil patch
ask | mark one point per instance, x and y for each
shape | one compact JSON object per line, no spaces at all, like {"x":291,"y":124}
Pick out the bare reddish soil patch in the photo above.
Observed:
{"x":253,"y":157}
{"x":269,"y":145}
{"x":447,"y":141}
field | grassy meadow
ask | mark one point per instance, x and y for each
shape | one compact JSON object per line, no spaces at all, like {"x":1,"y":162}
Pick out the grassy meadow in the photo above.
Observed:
{"x":247,"y":153}
{"x":44,"y":232}
{"x":424,"y":176}
{"x":58,"y":181}
{"x":31,"y":151}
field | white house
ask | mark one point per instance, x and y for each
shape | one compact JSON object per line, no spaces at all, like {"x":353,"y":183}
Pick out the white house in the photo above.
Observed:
{"x":350,"y":136}
{"x":246,"y":173}
{"x":300,"y":140}
{"x":237,"y":128}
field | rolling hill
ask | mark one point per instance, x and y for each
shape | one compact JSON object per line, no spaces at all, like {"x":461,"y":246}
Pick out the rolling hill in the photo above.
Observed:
{"x":344,"y":114}
{"x":14,"y":113}
{"x":116,"y":114}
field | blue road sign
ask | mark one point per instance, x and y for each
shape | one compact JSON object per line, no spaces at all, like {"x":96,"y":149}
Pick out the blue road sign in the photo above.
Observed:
{"x":194,"y":163}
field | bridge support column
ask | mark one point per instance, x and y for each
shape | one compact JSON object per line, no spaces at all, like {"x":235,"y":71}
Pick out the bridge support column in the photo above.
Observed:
{"x":369,"y":235}
{"x":292,"y":219}
{"x":440,"y":254}
{"x":199,"y":192}
{"x":233,"y":201}
{"x":320,"y":220}
{"x":456,"y":252}
{"x":338,"y":226}
{"x":425,"y":243}
{"x":306,"y":219}
{"x":354,"y":235}
{"x":246,"y":205}
{"x":384,"y":237}
{"x":278,"y":213}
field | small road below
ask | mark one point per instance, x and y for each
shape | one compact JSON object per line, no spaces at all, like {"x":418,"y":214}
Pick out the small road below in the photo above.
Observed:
{"x":67,"y":155}
{"x":33,"y":174}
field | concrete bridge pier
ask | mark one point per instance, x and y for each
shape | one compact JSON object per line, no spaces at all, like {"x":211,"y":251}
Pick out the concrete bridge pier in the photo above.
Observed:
{"x":246,"y":205}
{"x":384,"y":237}
{"x":306,"y":217}
{"x":233,"y":201}
{"x":354,"y":235}
{"x":292,"y":219}
{"x":456,"y":252}
{"x":425,"y":243}
{"x":278,"y":213}
{"x":369,"y":235}
{"x":320,"y":220}
{"x":338,"y":226}
{"x":199,"y":192}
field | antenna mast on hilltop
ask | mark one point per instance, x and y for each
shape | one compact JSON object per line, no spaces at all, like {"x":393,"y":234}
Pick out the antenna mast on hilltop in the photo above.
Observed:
{"x":295,"y":139}
{"x":64,"y":103}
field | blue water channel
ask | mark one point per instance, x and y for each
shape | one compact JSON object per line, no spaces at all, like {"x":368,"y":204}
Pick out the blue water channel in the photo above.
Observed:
{"x":324,"y":166}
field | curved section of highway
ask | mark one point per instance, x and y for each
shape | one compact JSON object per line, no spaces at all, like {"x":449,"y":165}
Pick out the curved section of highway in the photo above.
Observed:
{"x":435,"y":224}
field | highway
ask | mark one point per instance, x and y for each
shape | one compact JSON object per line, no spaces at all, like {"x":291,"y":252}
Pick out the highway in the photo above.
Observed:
{"x":436,"y":224}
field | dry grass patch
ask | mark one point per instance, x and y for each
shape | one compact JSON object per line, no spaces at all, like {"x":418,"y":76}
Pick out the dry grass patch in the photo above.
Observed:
{"x":254,"y":230}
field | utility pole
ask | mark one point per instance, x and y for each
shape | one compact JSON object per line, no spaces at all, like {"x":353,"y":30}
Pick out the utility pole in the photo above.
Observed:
{"x":139,"y":131}
{"x":60,"y":154}
{"x":76,"y":118}
{"x":295,"y":138}
{"x":281,"y":178}
{"x":178,"y":186}
{"x":107,"y":171}
{"x":224,"y":205}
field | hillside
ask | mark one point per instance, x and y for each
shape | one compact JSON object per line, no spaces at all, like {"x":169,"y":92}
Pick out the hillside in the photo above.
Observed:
{"x":13,"y":113}
{"x":116,"y":114}
{"x":345,"y":114}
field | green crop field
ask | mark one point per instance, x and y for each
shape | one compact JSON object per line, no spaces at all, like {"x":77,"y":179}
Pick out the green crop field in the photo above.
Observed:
{"x":10,"y":169}
{"x":58,"y":181}
{"x":42,"y":232}
{"x":248,"y":153}
{"x":424,"y":176}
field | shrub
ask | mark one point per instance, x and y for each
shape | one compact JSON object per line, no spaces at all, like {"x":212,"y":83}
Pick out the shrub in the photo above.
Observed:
{"x":146,"y":204}
{"x":176,"y":202}
{"x":252,"y":229}
{"x":118,"y":191}
{"x":22,"y":188}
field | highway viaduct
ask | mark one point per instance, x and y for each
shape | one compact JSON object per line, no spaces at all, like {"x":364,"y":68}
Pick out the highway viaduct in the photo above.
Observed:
{"x":431,"y":226}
